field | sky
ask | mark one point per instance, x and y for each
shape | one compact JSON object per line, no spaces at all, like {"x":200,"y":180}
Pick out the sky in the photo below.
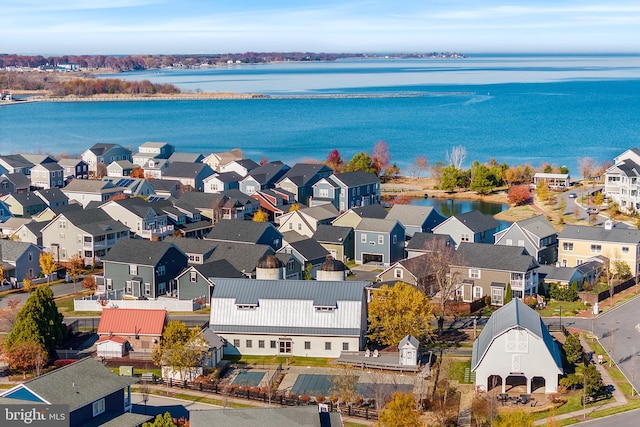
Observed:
{"x":56,"y":27}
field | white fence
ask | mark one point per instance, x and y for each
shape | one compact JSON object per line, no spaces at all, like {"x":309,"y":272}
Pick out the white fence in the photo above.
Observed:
{"x":92,"y":303}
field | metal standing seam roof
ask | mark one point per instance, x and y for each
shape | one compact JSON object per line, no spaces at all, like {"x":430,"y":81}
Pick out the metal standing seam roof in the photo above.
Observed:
{"x":514,"y":314}
{"x":131,"y":321}
{"x":323,"y":294}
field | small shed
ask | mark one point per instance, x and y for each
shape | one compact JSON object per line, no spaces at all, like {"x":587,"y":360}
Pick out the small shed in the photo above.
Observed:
{"x":112,"y":346}
{"x":408,"y":351}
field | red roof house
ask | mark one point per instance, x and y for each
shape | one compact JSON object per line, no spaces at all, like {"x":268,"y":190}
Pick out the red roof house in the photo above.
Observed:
{"x":128,"y":329}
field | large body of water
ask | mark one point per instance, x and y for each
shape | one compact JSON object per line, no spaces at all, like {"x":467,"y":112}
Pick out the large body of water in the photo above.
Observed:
{"x":516,"y":109}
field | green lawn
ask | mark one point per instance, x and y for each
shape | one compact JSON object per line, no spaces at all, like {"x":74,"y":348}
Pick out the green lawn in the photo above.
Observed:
{"x":275,"y":360}
{"x":568,"y":308}
{"x":457,"y":368}
{"x":65,"y":305}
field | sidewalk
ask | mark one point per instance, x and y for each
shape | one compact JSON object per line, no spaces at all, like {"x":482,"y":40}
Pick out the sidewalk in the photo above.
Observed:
{"x":582,"y":413}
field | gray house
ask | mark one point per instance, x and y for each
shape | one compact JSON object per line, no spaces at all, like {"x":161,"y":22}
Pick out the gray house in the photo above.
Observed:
{"x":536,"y":235}
{"x":190,"y":175}
{"x":263,"y":177}
{"x":20,"y":259}
{"x":47,"y":175}
{"x":249,"y":232}
{"x":347,"y":190}
{"x":469,"y":227}
{"x":74,"y":168}
{"x":195,"y":281}
{"x":300,"y":179}
{"x":100,"y":155}
{"x":485,"y":269}
{"x":142,"y":268}
{"x":379,"y":240}
{"x":416,"y":219}
{"x":223,"y":181}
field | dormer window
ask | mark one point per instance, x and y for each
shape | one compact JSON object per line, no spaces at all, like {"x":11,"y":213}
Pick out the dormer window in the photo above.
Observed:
{"x":322,"y":308}
{"x":247,"y":306}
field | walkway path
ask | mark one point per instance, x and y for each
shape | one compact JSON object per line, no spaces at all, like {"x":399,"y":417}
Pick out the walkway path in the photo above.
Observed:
{"x":466,"y":399}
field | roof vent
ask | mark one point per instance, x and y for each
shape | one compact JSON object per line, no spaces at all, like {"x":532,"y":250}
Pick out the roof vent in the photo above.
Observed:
{"x":608,"y":225}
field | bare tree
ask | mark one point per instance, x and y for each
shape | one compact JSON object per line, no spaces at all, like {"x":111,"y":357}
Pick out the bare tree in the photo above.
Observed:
{"x":457,"y":156}
{"x":588,"y":167}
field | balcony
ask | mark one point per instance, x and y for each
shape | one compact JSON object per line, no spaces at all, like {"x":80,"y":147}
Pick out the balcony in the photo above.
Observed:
{"x":156,"y":232}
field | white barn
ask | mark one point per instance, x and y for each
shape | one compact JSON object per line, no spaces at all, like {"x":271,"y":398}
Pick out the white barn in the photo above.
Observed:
{"x":515,"y":348}
{"x":289,"y":317}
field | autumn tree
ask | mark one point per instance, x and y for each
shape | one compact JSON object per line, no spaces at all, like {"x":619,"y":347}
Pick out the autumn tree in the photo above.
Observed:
{"x":380,"y":157}
{"x":391,"y":172}
{"x":397,"y":311}
{"x":400,"y":412}
{"x":26,"y":355}
{"x":588,"y":167}
{"x":39,"y":320}
{"x":542,"y":191}
{"x":47,"y":265}
{"x":263,"y":161}
{"x":513,"y":418}
{"x":89,"y":283}
{"x":345,"y":385}
{"x":519,"y":195}
{"x":181,"y":349}
{"x":161,"y":420}
{"x":420,"y":166}
{"x":76,"y":264}
{"x":137,"y":172}
{"x":334,"y":161}
{"x":360,"y":161}
{"x":439,"y":277}
{"x":260,"y":216}
{"x":8,"y":315}
{"x":27,"y":284}
{"x":3,"y":275}
{"x":294,"y":207}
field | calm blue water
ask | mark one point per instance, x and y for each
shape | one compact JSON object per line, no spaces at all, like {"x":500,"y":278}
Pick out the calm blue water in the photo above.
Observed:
{"x":514,"y":109}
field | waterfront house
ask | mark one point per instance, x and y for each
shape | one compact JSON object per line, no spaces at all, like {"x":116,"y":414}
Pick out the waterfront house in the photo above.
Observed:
{"x":379,"y":241}
{"x":144,"y":219}
{"x":416,"y":219}
{"x":621,"y":181}
{"x":241,"y":166}
{"x":482,"y":269}
{"x":88,"y":232}
{"x":515,"y":347}
{"x":224,"y":181}
{"x":249,"y":232}
{"x":535,"y":234}
{"x":471,"y":226}
{"x":554,"y":181}
{"x":347,"y":190}
{"x":300,"y":178}
{"x":74,"y":169}
{"x":85,"y":191}
{"x":338,"y":241}
{"x":263,"y":177}
{"x":47,"y":175}
{"x":99,"y":155}
{"x":120,"y":169}
{"x":190,"y":175}
{"x":24,"y":205}
{"x":142,"y":268}
{"x":289,"y":317}
{"x":129,"y":329}
{"x":305,"y":221}
{"x":221,"y":159}
{"x":579,"y":243}
{"x":20,"y":259}
{"x":93,"y":394}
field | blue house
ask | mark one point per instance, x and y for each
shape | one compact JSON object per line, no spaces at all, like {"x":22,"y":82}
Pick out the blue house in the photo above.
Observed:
{"x":347,"y":190}
{"x":379,"y":241}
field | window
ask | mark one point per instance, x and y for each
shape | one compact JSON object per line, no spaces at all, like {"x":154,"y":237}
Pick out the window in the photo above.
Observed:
{"x":327,"y":345}
{"x":272,"y":344}
{"x":625,"y":250}
{"x":162,"y":288}
{"x":63,"y":253}
{"x":109,"y":284}
{"x":62,"y":224}
{"x":162,"y":270}
{"x":363,"y":238}
{"x":567,"y":246}
{"x":596,"y":249}
{"x":236,"y":343}
{"x":474,"y":273}
{"x":477,"y":292}
{"x":249,"y":343}
{"x":299,"y":226}
{"x":128,"y":287}
{"x":395,"y":239}
{"x":345,"y":346}
{"x":193,"y":276}
{"x":290,"y":226}
{"x":98,"y":407}
{"x":260,"y":343}
{"x":290,"y":265}
{"x":323,"y":192}
{"x":30,"y":256}
{"x":133,"y":269}
{"x":464,"y":237}
{"x":381,"y":240}
{"x":509,"y":242}
{"x":79,"y":238}
{"x":285,"y":347}
{"x":397,"y":273}
{"x":307,"y":345}
{"x":496,"y":296}
{"x":521,"y":243}
{"x":147,"y":288}
{"x":517,"y":341}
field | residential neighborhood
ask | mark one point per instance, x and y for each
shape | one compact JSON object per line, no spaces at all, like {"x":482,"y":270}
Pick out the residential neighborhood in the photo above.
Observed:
{"x":276,"y":267}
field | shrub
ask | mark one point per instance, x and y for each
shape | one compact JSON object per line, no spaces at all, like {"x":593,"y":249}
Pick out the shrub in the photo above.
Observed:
{"x":531,"y":301}
{"x":62,"y":362}
{"x":564,"y":293}
{"x":305,"y":398}
{"x":320,"y":398}
{"x":519,"y":195}
{"x":571,"y":381}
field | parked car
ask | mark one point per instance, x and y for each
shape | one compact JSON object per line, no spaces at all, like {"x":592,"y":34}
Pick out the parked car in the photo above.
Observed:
{"x":593,"y":211}
{"x":572,"y":195}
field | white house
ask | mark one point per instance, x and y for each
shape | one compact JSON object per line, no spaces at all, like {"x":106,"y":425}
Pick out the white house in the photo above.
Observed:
{"x":515,"y":348}
{"x":289,"y":317}
{"x":408,"y":351}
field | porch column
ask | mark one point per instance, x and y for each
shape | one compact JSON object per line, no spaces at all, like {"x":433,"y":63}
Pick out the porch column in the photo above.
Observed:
{"x":529,"y":381}
{"x":504,"y":384}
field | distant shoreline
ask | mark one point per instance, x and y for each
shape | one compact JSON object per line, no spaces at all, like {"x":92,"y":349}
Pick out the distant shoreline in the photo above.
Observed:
{"x":209,"y":96}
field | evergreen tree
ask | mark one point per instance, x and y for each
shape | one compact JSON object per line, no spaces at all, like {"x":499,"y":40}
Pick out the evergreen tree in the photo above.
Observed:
{"x":508,"y":296}
{"x":592,"y":380}
{"x":573,"y":349}
{"x":39,"y":320}
{"x":360,"y":161}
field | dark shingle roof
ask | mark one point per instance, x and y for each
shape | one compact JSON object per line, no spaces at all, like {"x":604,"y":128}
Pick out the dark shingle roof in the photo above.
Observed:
{"x":233,"y":230}
{"x":494,"y":257}
{"x":138,"y":251}
{"x":243,"y":256}
{"x":192,"y":246}
{"x":356,"y":178}
{"x":377,"y":225}
{"x":371,"y":211}
{"x":268,"y":172}
{"x":299,"y":416}
{"x":477,"y":221}
{"x":310,"y":249}
{"x":11,"y":250}
{"x":219,"y":268}
{"x":423,"y":241}
{"x":305,"y":173}
{"x":332,"y":233}
{"x":94,"y":221}
{"x":600,"y":234}
{"x":228,"y":177}
{"x":186,"y":169}
{"x":52,"y":195}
